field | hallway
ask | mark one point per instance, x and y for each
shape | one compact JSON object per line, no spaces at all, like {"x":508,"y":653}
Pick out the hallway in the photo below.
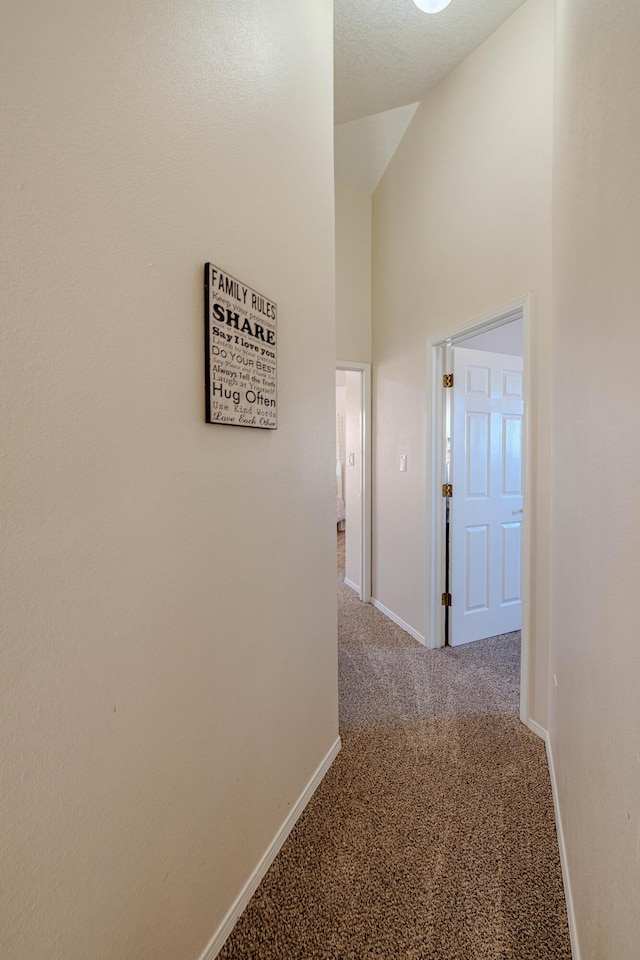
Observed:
{"x":432,"y":836}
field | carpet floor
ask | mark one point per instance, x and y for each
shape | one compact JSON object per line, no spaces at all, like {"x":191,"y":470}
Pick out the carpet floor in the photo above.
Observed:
{"x":432,"y":836}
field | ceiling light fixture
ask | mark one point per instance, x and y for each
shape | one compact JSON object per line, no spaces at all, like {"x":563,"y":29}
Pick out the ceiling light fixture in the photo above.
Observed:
{"x":431,"y":6}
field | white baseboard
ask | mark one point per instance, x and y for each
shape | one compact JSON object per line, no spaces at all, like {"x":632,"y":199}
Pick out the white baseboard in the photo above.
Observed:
{"x":350,"y":583}
{"x":220,"y":936}
{"x":573,"y":931}
{"x":538,"y":730}
{"x":405,"y":626}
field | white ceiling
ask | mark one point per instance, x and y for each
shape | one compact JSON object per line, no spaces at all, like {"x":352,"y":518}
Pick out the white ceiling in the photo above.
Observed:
{"x":508,"y":338}
{"x":387,"y":56}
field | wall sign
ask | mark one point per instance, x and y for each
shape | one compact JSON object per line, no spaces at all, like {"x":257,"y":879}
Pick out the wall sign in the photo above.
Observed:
{"x":241,"y":352}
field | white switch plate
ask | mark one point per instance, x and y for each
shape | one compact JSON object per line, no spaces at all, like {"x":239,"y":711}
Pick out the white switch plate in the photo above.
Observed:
{"x":352,"y":459}
{"x":403,"y":463}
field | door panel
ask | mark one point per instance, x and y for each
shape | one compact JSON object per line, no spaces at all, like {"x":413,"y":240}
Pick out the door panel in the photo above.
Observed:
{"x":510,"y":563}
{"x":486,"y":507}
{"x":511,"y":456}
{"x":478,"y":381}
{"x":477,"y":572}
{"x":477,"y":436}
{"x":511,"y":385}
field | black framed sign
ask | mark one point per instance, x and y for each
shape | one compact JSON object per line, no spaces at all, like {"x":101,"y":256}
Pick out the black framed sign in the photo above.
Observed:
{"x":241,"y":348}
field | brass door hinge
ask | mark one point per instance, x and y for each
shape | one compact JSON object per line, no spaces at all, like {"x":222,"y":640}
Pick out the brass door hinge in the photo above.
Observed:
{"x":447,"y":380}
{"x":447,"y":490}
{"x":446,"y":599}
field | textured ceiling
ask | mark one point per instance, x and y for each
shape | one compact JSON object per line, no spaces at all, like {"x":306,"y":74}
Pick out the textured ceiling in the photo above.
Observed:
{"x":388,"y":53}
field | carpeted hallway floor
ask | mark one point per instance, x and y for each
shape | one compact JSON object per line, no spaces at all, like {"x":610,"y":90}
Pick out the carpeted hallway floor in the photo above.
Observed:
{"x":432,"y":836}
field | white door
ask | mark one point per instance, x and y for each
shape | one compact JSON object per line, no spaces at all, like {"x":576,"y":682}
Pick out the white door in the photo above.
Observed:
{"x":486,"y":506}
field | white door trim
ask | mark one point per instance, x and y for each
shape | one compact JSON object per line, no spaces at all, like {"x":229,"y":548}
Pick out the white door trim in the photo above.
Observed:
{"x":365,"y":453}
{"x":436,"y":347}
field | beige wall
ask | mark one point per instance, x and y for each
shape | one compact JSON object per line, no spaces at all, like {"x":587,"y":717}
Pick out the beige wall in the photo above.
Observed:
{"x":461,"y":225}
{"x":595,"y":723}
{"x":168,"y":655}
{"x":353,"y":273}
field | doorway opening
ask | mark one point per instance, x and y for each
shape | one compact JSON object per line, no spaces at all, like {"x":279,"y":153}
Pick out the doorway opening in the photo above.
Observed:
{"x":480,"y":478}
{"x":353,"y":472}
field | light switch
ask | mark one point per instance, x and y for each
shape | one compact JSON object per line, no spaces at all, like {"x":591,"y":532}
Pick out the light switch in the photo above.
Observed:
{"x":403,"y":463}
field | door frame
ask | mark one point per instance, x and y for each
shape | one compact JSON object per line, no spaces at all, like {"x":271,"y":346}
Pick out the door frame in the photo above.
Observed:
{"x":519,"y":309}
{"x":365,"y":458}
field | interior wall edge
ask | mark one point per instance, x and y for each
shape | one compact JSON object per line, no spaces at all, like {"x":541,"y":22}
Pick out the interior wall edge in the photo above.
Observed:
{"x":223,"y":932}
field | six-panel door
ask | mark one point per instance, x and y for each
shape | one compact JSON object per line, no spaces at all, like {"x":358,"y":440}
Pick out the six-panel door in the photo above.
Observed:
{"x":486,"y":508}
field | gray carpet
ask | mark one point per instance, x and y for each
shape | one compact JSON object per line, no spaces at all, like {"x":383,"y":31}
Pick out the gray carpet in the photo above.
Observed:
{"x":432,"y":836}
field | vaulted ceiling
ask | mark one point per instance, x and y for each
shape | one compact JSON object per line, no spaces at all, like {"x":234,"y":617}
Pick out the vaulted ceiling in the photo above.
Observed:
{"x":389,"y":54}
